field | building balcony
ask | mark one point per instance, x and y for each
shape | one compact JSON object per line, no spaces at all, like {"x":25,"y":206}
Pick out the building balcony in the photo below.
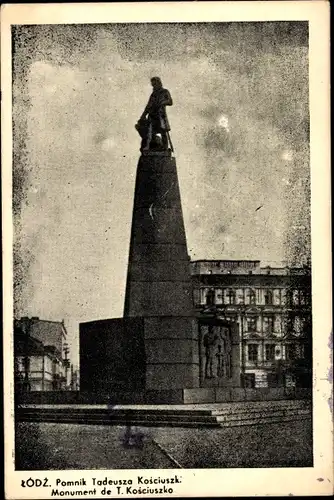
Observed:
{"x":265,"y":335}
{"x":263,"y":364}
{"x":258,"y":364}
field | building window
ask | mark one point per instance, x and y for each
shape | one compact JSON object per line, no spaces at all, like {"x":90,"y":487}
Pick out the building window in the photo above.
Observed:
{"x":278,"y":352}
{"x":294,"y":351}
{"x":270,"y":352}
{"x":210,"y":298}
{"x":204,"y":292}
{"x":231,"y":297}
{"x":301,"y":351}
{"x":268,"y":324}
{"x":218,"y":296}
{"x":277,"y":324}
{"x":298,"y":297}
{"x":268,"y":297}
{"x":290,"y":352}
{"x":295,"y":297}
{"x":289,"y":298}
{"x":302,"y":298}
{"x":298,"y":326}
{"x":251,"y":324}
{"x":251,"y":297}
{"x":253,"y":352}
{"x":26,"y":364}
{"x":289,"y":321}
{"x":277,"y":297}
{"x":240,"y":296}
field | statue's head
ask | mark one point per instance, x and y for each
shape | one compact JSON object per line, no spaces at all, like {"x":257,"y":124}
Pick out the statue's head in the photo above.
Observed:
{"x":156,"y":82}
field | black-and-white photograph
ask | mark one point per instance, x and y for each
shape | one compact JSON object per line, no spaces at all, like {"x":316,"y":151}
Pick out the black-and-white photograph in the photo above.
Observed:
{"x":161,"y":204}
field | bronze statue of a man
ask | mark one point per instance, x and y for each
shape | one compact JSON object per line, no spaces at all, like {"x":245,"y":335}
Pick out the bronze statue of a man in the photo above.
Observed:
{"x":154,"y":114}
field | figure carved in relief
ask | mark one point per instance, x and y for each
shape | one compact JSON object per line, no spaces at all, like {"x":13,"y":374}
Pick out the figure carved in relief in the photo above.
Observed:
{"x":220,"y":361}
{"x":209,"y":344}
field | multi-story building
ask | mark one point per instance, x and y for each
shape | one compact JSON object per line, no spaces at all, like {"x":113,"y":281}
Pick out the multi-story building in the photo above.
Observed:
{"x":48,"y":332}
{"x":39,"y":364}
{"x":272,"y":307}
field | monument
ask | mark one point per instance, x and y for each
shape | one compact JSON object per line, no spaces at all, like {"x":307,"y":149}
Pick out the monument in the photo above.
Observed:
{"x":155,"y":349}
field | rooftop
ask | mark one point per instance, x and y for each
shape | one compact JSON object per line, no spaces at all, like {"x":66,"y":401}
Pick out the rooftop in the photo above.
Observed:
{"x":243,"y":267}
{"x":40,"y":327}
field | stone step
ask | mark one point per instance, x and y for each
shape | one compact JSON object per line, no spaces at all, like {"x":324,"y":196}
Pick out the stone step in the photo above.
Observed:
{"x":261,"y":415}
{"x":272,"y":420}
{"x":115,"y":411}
{"x":167,"y":423}
{"x":162,"y":417}
{"x":110,"y":416}
{"x":156,"y":415}
{"x":205,"y":409}
{"x":263,"y":404}
{"x":121,"y":422}
{"x":256,"y":409}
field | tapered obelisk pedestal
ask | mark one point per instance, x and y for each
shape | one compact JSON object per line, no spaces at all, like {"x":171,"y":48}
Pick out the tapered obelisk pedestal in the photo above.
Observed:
{"x":151,"y":355}
{"x":158,"y":288}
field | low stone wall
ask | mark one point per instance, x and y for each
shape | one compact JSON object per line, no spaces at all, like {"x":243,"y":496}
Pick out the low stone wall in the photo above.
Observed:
{"x":237,"y":394}
{"x":176,"y":396}
{"x":76,"y":397}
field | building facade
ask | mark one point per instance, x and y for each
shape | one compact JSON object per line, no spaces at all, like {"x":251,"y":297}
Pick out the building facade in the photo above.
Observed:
{"x":272,"y":308}
{"x":48,"y":332}
{"x":39,"y":364}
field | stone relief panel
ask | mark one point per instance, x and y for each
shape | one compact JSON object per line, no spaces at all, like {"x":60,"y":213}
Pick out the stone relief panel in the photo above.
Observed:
{"x":215,"y":354}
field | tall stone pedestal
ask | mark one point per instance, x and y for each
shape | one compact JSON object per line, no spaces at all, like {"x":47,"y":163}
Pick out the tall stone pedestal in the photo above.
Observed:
{"x":159,"y":288}
{"x":159,"y":352}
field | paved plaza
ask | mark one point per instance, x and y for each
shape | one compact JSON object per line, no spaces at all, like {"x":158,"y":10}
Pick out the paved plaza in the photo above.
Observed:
{"x":48,"y":446}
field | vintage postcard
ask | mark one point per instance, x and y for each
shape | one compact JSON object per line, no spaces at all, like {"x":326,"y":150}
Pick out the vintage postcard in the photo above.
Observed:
{"x":167,"y":271}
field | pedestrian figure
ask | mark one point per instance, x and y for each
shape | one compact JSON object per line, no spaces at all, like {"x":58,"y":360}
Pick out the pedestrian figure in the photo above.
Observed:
{"x":133,"y":439}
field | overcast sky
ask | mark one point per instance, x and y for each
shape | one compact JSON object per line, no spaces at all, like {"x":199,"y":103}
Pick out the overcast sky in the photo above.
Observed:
{"x":240,"y":132}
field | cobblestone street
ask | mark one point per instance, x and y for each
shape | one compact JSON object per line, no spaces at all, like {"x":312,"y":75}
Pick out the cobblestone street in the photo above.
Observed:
{"x":48,"y":446}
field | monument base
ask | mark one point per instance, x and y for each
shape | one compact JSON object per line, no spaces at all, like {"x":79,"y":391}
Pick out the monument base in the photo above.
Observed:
{"x":139,"y":354}
{"x":171,"y":347}
{"x":160,"y":359}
